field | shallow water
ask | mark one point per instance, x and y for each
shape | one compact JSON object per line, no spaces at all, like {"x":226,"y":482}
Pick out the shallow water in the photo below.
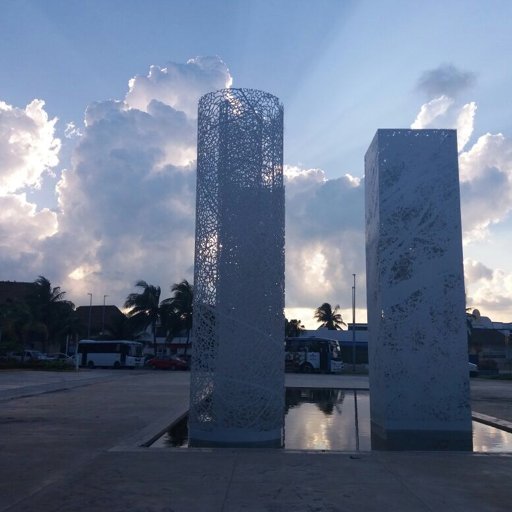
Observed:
{"x":337,"y":420}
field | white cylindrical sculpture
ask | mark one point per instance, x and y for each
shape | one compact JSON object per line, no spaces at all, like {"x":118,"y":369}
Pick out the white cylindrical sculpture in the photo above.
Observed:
{"x":418,"y":355}
{"x":237,"y":378}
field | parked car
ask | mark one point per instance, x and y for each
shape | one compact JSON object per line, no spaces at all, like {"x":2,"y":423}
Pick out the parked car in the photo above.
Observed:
{"x":473,"y":370}
{"x":167,"y":363}
{"x":60,"y":356}
{"x":27,"y":355}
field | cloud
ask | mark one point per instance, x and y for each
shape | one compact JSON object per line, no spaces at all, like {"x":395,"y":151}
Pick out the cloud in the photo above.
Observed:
{"x":445,"y":80}
{"x":28,"y":147}
{"x":324,"y":237}
{"x":485,"y":170}
{"x":474,"y":271}
{"x":486,"y":185}
{"x":443,"y":112}
{"x":127,"y":202}
{"x":71,"y":131}
{"x":179,"y":85}
{"x":431,"y":111}
{"x":491,"y":294}
{"x":23,"y":230}
{"x":28,"y":150}
{"x":465,"y":124}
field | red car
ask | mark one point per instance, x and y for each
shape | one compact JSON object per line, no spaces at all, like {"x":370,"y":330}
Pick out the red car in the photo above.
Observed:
{"x":168,"y":363}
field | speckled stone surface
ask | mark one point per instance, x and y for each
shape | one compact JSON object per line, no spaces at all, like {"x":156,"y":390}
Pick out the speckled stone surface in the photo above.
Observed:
{"x":419,"y":380}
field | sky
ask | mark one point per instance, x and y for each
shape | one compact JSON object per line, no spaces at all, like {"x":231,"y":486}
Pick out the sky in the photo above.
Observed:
{"x":98,"y":114}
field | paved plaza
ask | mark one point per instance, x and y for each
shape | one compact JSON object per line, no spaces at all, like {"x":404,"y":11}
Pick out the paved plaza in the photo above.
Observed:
{"x":71,"y":442}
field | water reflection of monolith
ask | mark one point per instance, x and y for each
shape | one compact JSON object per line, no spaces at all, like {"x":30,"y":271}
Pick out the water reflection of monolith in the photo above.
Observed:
{"x":419,"y":379}
{"x":237,"y":379}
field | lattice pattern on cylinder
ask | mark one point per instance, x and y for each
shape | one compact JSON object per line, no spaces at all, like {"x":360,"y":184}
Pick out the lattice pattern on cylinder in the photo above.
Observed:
{"x":237,"y":381}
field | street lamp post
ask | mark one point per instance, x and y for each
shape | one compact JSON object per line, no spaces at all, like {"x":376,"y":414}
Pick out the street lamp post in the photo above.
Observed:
{"x":90,"y":312}
{"x":103,"y":316}
{"x":354,"y":324}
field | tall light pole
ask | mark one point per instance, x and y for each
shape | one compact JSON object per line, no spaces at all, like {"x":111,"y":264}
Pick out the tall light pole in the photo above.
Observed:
{"x":90,"y":312}
{"x":354,"y":324}
{"x":103,"y":316}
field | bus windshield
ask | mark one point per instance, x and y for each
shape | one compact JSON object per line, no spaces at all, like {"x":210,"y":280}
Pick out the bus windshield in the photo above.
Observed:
{"x":136,"y":350}
{"x":335,"y":350}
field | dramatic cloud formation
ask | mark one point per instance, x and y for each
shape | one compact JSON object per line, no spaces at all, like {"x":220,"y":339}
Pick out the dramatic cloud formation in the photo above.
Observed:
{"x":443,"y":112}
{"x":431,"y":111}
{"x":179,"y":85}
{"x":27,"y":146}
{"x":28,"y":150}
{"x":324,"y":238}
{"x":492,"y":295}
{"x":474,"y":271}
{"x":485,"y":170}
{"x":126,"y":202}
{"x":445,"y":80}
{"x":22,"y":232}
{"x":486,"y":184}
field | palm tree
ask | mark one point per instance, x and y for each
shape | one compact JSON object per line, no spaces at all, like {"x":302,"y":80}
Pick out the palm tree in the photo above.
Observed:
{"x":51,"y":312}
{"x":180,"y":306}
{"x":330,"y":318}
{"x":144,"y":308}
{"x":16,"y":324}
{"x":293,"y":328}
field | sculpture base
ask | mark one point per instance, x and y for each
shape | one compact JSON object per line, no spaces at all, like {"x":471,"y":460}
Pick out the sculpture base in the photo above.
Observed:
{"x":237,"y":439}
{"x":421,"y":440}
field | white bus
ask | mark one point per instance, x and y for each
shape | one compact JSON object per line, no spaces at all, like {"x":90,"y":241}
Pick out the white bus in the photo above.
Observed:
{"x":112,"y":354}
{"x":309,"y":354}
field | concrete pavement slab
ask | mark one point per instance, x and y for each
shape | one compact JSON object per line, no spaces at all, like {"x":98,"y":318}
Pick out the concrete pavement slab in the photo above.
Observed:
{"x":78,"y":450}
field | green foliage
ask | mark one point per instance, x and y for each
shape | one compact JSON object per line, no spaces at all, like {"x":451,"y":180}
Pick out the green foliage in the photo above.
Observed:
{"x":329,"y":318}
{"x":44,"y":315}
{"x":144,"y":308}
{"x":173,"y":314}
{"x":179,"y":309}
{"x":292,"y":328}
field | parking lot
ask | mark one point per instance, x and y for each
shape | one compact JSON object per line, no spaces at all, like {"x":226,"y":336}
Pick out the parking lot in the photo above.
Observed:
{"x":70,"y":442}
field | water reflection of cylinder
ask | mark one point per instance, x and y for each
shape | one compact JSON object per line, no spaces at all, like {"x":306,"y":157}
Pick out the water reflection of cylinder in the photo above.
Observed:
{"x":237,"y":382}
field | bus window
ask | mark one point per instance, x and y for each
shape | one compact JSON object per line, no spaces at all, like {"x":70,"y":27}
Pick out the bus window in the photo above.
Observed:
{"x":313,"y":354}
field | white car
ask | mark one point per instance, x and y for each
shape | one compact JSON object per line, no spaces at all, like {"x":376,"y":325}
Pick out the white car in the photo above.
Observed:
{"x":27,"y":355}
{"x":473,"y":370}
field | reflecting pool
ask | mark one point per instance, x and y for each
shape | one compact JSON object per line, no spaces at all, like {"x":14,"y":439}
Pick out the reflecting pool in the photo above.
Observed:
{"x":336,"y":420}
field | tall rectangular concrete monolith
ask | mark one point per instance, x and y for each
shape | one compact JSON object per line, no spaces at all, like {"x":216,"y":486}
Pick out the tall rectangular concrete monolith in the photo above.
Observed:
{"x":418,"y":356}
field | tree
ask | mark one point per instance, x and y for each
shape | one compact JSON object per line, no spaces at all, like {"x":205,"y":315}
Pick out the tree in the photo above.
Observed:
{"x":121,"y":328}
{"x":42,"y":314}
{"x":293,"y":328}
{"x":51,"y":314}
{"x":16,"y":320}
{"x":330,"y":318}
{"x":180,"y":307}
{"x":144,"y":307}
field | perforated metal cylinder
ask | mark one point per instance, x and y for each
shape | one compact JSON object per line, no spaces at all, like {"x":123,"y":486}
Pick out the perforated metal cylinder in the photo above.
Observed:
{"x":237,"y":381}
